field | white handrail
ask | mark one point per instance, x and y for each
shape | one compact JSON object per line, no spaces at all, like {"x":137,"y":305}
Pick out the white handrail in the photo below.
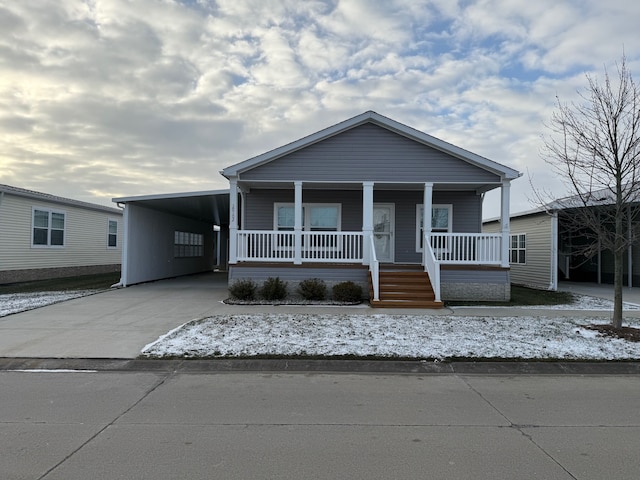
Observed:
{"x":319,"y":247}
{"x":466,"y":248}
{"x":374,"y":269}
{"x":432,"y":267}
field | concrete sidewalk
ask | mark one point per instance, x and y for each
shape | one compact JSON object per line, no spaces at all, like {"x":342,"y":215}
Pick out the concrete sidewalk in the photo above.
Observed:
{"x":119,"y":323}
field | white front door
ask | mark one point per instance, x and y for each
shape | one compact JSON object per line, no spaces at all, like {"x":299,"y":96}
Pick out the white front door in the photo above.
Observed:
{"x":383,"y":231}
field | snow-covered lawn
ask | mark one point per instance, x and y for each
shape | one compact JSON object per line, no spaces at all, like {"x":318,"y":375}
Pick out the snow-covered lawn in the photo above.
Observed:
{"x":411,"y":336}
{"x":20,"y":302}
{"x":380,"y":335}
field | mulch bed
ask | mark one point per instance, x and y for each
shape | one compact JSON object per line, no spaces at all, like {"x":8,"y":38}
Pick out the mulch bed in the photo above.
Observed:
{"x":626,"y":333}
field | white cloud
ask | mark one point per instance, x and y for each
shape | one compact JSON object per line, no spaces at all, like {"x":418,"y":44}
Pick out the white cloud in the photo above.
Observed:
{"x":116,"y":98}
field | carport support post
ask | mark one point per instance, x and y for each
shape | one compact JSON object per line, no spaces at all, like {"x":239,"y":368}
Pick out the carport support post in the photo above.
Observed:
{"x":504,"y":222}
{"x":233,"y":220}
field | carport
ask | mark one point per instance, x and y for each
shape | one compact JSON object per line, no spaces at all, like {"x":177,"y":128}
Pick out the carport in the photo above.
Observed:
{"x":174,"y":234}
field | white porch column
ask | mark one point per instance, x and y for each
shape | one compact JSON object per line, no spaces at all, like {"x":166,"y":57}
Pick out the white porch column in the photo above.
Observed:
{"x":427,"y":204}
{"x":233,"y":220}
{"x":297,"y":223}
{"x":504,"y":221}
{"x":367,"y":221}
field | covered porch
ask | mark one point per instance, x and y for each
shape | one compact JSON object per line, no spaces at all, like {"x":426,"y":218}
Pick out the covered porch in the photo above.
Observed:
{"x":432,"y":240}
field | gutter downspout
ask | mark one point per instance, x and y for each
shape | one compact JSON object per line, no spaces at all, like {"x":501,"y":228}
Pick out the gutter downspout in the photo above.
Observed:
{"x":121,"y":283}
{"x":553,"y":280}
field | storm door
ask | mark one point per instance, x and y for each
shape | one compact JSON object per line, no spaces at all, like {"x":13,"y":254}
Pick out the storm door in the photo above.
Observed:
{"x":383,"y":231}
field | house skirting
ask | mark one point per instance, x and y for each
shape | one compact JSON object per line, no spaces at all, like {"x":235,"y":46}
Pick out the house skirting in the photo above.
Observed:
{"x":294,"y":274}
{"x":475,"y":283}
{"x":456,"y":282}
{"x":31,"y":274}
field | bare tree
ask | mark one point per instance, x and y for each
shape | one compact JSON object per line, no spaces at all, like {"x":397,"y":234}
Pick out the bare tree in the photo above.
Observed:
{"x":594,"y":147}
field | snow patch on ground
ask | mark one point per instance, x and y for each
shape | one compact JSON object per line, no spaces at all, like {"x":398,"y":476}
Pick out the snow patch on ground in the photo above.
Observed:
{"x":20,"y":302}
{"x":411,"y":336}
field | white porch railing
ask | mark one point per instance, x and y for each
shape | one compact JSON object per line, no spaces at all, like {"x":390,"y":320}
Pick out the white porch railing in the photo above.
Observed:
{"x":374,"y":269}
{"x":432,"y":267}
{"x":279,"y":246}
{"x":466,"y":248}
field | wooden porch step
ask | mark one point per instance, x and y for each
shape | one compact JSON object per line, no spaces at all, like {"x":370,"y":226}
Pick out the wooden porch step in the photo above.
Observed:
{"x":405,"y":304}
{"x":406,"y":288}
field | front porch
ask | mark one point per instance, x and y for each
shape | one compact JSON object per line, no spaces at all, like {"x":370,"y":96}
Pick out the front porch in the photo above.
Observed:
{"x":301,"y":254}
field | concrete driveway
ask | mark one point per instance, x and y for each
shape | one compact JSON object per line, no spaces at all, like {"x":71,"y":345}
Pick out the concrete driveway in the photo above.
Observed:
{"x":112,"y":324}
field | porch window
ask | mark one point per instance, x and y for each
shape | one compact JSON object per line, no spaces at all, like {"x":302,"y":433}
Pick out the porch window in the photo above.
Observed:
{"x":315,"y":217}
{"x":518,"y":248}
{"x":441,"y":221}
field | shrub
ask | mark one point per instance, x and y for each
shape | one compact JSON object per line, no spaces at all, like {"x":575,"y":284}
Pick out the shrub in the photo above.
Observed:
{"x":312,"y":289}
{"x":274,"y":289}
{"x":243,"y":289}
{"x":347,"y":292}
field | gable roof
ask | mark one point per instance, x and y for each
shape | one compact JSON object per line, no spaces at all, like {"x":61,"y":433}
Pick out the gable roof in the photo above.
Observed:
{"x":47,"y":197}
{"x":381,"y":121}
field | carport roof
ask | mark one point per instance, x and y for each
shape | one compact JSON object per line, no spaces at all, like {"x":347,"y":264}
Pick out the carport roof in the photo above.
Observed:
{"x":209,"y":206}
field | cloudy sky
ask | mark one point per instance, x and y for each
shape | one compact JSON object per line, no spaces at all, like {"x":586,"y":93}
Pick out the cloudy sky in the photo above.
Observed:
{"x":108,"y":98}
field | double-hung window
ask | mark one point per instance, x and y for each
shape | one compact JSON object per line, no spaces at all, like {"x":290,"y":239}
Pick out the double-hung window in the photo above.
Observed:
{"x":112,"y":233}
{"x":441,"y":221}
{"x":315,"y":217}
{"x":47,"y":228}
{"x":518,"y":248}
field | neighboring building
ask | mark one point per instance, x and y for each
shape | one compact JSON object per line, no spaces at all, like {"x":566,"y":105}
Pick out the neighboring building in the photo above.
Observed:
{"x":544,"y":248}
{"x":533,"y":248}
{"x":346,"y":203}
{"x":44,"y":236}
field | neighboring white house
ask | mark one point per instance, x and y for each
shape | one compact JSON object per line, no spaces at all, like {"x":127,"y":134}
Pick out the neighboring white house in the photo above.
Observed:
{"x":533,"y":248}
{"x":545,"y":248}
{"x":45,"y":236}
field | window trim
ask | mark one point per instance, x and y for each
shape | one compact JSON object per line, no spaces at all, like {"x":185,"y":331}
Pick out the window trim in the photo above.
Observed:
{"x":306,"y":209}
{"x":419,"y":207}
{"x":519,"y":250}
{"x":50,"y":212}
{"x":109,"y":220}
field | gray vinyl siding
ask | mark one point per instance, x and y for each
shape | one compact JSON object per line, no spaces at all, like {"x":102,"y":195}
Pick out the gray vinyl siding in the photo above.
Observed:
{"x":467,"y":212}
{"x":369,"y":152}
{"x":85,"y":236}
{"x":259,"y":213}
{"x":538,"y":229}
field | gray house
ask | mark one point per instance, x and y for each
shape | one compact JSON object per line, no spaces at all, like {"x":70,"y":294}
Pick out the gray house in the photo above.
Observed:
{"x":373,"y":201}
{"x":368,"y":200}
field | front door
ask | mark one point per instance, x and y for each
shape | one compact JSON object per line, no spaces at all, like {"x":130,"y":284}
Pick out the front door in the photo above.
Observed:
{"x":383,"y":231}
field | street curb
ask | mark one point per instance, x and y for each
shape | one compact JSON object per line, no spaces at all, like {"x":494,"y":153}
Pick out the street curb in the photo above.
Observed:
{"x":319,"y":366}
